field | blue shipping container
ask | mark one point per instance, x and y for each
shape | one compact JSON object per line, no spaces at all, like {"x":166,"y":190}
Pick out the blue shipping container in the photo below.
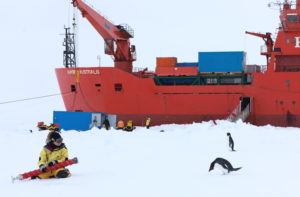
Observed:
{"x":230,"y":61}
{"x":187,"y":64}
{"x":80,"y":121}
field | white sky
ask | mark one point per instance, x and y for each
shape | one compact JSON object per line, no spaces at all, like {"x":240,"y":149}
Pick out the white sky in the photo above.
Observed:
{"x":31,"y":44}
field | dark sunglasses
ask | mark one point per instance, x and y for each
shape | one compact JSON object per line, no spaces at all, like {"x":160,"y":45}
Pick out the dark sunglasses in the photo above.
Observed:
{"x":59,"y":140}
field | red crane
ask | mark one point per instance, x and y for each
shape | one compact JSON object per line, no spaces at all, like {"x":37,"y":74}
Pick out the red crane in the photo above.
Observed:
{"x":116,"y":37}
{"x":268,"y":41}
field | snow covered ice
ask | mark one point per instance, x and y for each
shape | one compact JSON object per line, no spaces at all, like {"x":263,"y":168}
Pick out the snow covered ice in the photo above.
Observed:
{"x":151,"y":163}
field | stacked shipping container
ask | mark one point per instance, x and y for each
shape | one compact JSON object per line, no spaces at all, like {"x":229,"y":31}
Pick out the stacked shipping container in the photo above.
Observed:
{"x":231,"y":61}
{"x":166,"y":61}
{"x":187,"y":64}
{"x":208,"y":62}
{"x":167,"y":66}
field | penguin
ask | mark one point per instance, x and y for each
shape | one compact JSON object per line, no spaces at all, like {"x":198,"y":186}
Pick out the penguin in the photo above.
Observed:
{"x":224,"y":164}
{"x":231,"y":143}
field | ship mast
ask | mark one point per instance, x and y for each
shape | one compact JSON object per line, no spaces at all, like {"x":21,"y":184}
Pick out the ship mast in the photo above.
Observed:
{"x":69,"y":52}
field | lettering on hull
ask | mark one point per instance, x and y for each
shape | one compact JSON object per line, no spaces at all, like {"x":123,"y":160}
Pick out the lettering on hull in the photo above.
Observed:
{"x":84,"y":72}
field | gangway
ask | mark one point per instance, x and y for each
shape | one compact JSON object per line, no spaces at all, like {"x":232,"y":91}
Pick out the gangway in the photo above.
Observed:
{"x":242,"y":110}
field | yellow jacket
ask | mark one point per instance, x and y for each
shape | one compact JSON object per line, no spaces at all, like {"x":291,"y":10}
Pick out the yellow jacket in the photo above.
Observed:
{"x":49,"y":154}
{"x":129,"y":124}
{"x":148,"y":121}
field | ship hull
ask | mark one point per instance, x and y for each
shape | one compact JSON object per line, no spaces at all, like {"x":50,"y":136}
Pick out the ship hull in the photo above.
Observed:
{"x":275,"y":97}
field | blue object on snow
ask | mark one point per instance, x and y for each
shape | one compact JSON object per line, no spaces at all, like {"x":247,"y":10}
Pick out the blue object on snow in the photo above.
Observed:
{"x":80,"y":121}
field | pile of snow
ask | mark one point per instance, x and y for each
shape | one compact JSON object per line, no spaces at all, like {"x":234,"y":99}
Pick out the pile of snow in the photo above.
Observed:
{"x":152,"y":163}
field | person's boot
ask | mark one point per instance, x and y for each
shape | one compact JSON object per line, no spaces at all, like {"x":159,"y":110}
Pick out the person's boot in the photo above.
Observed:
{"x":63,"y":173}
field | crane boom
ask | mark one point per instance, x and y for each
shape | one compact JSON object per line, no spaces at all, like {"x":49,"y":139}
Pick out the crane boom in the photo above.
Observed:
{"x":116,"y":37}
{"x":267,"y":38}
{"x":257,"y":34}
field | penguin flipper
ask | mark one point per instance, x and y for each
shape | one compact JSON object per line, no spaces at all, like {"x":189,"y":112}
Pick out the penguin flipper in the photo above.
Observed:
{"x":236,"y":169}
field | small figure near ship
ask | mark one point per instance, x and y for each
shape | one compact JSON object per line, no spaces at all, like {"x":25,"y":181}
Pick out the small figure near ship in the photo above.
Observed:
{"x":148,"y":123}
{"x":129,"y":126}
{"x":120,"y":125}
{"x":106,"y":124}
{"x":52,"y":127}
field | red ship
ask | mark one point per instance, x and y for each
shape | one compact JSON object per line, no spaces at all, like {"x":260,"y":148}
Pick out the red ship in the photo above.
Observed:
{"x":174,"y":94}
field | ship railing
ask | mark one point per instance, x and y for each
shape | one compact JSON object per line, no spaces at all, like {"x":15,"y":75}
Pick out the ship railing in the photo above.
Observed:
{"x":252,"y":68}
{"x":137,"y":69}
{"x":263,"y":49}
{"x":142,"y":72}
{"x":264,"y":68}
{"x":125,"y":27}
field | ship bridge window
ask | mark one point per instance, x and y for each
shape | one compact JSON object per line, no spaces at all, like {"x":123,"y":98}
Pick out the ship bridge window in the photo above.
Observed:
{"x":118,"y":87}
{"x":277,"y":49}
{"x":292,"y":18}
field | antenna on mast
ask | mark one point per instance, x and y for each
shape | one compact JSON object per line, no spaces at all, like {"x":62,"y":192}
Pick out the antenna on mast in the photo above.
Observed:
{"x":276,"y":5}
{"x":75,"y":32}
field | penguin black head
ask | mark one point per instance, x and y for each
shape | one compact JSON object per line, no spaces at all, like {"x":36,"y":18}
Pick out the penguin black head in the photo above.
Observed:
{"x":211,"y":167}
{"x":228,"y":134}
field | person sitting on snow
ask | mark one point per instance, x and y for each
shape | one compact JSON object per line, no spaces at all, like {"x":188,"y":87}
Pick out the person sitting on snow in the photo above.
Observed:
{"x":52,"y":153}
{"x":129,"y":126}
